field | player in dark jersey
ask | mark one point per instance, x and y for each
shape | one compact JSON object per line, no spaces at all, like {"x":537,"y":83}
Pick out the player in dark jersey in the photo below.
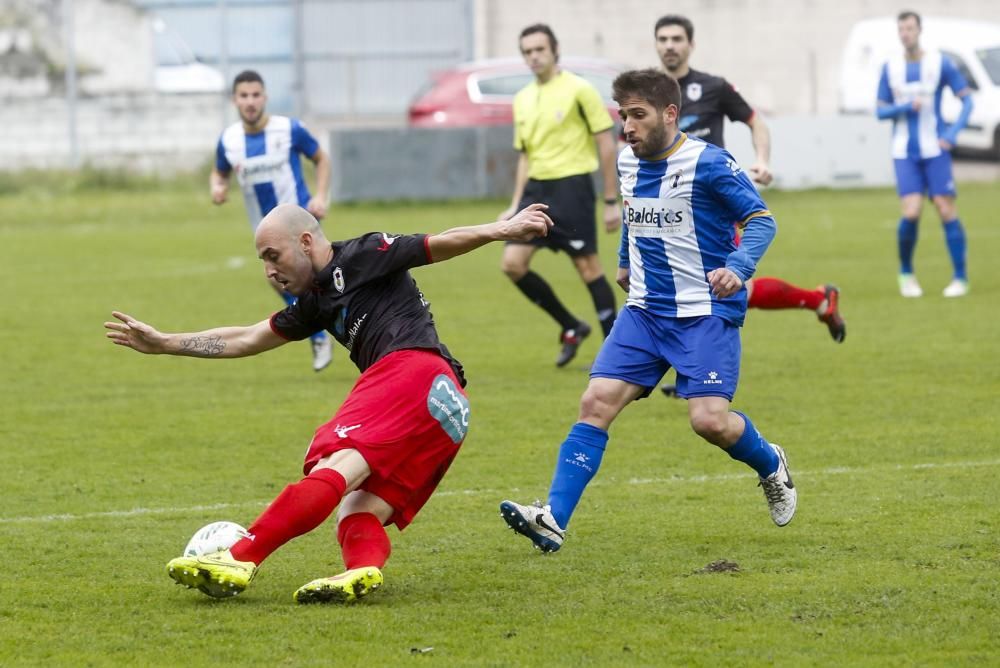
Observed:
{"x":386,"y":449}
{"x":705,"y":100}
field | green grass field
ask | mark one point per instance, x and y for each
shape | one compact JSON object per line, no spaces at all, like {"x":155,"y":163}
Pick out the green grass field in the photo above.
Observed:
{"x":111,"y":459}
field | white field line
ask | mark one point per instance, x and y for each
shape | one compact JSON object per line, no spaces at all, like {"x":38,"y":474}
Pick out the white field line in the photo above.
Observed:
{"x":674,"y":480}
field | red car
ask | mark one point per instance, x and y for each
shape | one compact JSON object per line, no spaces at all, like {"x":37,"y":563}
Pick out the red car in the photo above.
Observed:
{"x":482,"y":92}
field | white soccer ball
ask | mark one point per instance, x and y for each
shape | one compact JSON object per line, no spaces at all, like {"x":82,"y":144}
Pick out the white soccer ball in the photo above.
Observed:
{"x":214,"y":537}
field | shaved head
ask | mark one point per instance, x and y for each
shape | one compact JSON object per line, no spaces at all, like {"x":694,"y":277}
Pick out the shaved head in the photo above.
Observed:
{"x":289,"y":220}
{"x":293,"y":247}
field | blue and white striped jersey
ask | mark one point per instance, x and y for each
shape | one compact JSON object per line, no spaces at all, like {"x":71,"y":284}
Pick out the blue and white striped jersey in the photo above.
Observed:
{"x":915,"y":136}
{"x":267,"y":164}
{"x":678,"y":215}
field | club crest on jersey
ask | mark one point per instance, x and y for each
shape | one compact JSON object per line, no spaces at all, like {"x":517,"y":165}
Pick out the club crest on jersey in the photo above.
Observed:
{"x":338,"y":279}
{"x":694,"y":91}
{"x":387,"y":240}
{"x":675,"y":178}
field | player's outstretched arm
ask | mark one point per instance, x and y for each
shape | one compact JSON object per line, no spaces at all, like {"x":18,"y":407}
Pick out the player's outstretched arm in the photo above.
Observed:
{"x":217,"y":342}
{"x":527,"y":224}
{"x":218,"y":185}
{"x":318,"y":203}
{"x":760,"y":137}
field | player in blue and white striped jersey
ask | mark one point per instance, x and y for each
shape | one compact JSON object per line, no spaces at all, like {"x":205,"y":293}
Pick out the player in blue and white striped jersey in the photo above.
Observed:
{"x":686,"y":277}
{"x":909,"y":93}
{"x":263,"y":150}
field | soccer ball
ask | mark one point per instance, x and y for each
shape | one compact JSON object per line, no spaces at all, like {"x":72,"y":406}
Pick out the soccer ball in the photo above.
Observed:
{"x":214,"y":537}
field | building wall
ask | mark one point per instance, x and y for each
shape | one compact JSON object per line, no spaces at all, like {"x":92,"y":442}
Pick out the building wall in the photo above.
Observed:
{"x":143,"y":132}
{"x":783,"y":55}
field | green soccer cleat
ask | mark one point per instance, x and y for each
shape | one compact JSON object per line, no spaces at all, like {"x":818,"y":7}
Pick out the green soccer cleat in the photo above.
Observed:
{"x":216,"y":574}
{"x":347,"y":587}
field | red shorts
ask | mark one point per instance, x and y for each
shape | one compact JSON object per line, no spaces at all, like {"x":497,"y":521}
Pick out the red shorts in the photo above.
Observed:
{"x":407,"y":415}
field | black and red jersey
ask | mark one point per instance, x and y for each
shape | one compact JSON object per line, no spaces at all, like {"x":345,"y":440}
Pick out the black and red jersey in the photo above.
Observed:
{"x":705,"y":99}
{"x":368,"y":301}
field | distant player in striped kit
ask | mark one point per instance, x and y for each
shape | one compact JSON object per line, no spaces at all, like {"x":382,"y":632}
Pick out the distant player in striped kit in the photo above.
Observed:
{"x":909,"y":93}
{"x":686,"y":281}
{"x":264,"y":152}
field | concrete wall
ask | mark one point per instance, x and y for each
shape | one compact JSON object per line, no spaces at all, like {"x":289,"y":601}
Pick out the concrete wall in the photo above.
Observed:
{"x":461,"y":163}
{"x":139,"y":131}
{"x":821,"y":151}
{"x":784,"y":56}
{"x":421,"y":164}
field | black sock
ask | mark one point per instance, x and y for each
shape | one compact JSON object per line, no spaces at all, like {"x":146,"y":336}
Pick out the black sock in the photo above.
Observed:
{"x":604,"y":302}
{"x":538,"y":291}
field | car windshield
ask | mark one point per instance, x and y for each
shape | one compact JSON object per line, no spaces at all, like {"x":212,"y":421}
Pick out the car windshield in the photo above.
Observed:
{"x":507,"y":85}
{"x":168,"y":47}
{"x":991,"y":62}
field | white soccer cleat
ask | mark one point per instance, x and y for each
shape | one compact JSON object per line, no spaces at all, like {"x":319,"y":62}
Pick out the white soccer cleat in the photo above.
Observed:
{"x":535,"y":522}
{"x":780,"y":491}
{"x":957,"y":288}
{"x":908,"y":286}
{"x":322,"y":353}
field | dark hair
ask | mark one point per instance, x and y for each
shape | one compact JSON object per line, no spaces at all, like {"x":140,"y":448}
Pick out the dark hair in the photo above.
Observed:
{"x":652,"y":85}
{"x":247,"y":76}
{"x":545,"y":30}
{"x":908,"y":14}
{"x":676,"y":20}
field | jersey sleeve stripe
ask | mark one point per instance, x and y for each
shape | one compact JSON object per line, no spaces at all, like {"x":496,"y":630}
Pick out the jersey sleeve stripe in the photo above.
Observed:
{"x":427,"y":249}
{"x":274,"y":329}
{"x":756,"y":214}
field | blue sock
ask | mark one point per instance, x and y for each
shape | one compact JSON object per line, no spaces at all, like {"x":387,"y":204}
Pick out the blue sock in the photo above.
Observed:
{"x":906,"y":235}
{"x":753,"y":450}
{"x":291,"y":299}
{"x":954,"y":236}
{"x":579,"y":458}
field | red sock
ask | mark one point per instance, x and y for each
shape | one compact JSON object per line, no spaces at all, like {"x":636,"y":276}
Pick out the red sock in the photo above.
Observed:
{"x":363,"y":541}
{"x":774,"y":293}
{"x":299,"y":509}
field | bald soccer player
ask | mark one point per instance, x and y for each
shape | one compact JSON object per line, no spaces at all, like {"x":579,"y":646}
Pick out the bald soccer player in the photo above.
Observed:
{"x":387,"y":447}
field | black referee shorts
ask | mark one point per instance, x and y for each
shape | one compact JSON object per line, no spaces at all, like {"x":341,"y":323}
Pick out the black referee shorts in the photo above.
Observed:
{"x":571,"y":208}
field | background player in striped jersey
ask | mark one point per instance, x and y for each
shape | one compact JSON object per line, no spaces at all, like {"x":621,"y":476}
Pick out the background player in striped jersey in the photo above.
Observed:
{"x":909,"y":93}
{"x":705,"y":100}
{"x":686,"y":279}
{"x":264,"y":152}
{"x":558,"y":119}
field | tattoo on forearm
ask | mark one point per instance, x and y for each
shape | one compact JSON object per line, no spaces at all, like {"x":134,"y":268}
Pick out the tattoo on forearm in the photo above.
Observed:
{"x":203,"y":346}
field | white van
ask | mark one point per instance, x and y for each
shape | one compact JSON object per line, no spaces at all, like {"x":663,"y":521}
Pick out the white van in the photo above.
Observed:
{"x":974,"y":47}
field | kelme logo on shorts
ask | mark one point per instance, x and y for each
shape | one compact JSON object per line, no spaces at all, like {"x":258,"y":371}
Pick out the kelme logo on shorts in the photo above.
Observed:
{"x":449,"y":407}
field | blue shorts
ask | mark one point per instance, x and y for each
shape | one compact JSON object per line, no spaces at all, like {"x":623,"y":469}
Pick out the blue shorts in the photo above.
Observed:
{"x":925,"y":175}
{"x":642,"y":347}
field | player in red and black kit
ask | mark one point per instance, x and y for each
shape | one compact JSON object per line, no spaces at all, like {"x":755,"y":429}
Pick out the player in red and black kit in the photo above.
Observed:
{"x":386,"y":449}
{"x":705,"y":100}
